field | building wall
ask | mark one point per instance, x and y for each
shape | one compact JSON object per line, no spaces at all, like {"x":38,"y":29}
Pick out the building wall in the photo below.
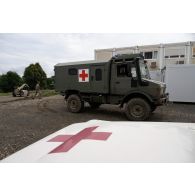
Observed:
{"x":193,"y":53}
{"x":103,"y":55}
{"x":157,"y":56}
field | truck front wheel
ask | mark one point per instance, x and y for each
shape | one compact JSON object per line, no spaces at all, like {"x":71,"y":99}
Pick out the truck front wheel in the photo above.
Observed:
{"x":137,"y":109}
{"x":75,"y":104}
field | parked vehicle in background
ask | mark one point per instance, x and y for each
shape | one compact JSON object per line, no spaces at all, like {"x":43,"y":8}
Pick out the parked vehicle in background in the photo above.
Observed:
{"x":21,"y":91}
{"x":124,"y":80}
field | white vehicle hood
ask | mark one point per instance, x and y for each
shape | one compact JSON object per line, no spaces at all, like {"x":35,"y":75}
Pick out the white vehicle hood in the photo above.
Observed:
{"x":104,"y":141}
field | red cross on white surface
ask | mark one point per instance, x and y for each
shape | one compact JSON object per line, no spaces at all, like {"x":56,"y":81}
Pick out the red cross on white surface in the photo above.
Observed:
{"x":70,"y":141}
{"x":84,"y":75}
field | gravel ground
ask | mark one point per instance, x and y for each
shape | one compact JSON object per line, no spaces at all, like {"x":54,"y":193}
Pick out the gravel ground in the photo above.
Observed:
{"x":24,"y":121}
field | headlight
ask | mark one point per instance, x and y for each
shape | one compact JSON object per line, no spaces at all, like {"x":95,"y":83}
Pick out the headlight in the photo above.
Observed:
{"x":160,"y":91}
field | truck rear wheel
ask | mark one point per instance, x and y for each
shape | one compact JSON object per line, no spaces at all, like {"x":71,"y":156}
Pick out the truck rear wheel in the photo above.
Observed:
{"x":137,"y":109}
{"x":75,"y":104}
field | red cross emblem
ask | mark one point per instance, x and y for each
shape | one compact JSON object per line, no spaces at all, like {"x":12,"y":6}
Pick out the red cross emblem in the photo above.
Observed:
{"x":83,"y":75}
{"x":70,"y":141}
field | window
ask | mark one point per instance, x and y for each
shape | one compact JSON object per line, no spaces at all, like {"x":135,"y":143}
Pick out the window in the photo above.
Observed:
{"x":155,"y":55}
{"x":174,"y":56}
{"x":98,"y":74}
{"x":122,"y":70}
{"x":180,"y":62}
{"x":148,"y":55}
{"x":72,"y":71}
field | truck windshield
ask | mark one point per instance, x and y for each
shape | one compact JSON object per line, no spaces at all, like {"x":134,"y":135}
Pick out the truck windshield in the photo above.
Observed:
{"x":144,"y":70}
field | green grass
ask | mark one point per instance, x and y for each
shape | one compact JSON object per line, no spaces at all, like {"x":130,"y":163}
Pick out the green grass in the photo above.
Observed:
{"x":6,"y":94}
{"x":47,"y":93}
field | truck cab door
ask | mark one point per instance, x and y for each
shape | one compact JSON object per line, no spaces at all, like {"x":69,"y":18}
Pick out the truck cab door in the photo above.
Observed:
{"x":123,"y":78}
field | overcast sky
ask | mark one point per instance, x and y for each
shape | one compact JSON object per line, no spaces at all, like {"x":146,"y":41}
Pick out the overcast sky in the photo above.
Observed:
{"x":19,"y":50}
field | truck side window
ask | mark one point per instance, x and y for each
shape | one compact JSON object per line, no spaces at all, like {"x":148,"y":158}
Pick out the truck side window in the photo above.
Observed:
{"x":122,"y":70}
{"x":72,"y":71}
{"x":98,"y":74}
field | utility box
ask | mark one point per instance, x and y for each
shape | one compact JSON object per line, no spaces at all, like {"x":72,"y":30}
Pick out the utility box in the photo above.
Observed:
{"x":180,"y":82}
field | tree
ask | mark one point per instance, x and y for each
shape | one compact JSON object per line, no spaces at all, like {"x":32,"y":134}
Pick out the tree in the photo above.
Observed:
{"x":9,"y":80}
{"x":34,"y":73}
{"x":50,"y":82}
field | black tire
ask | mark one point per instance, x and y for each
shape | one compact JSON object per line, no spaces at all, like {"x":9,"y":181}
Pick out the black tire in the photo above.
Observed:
{"x":75,"y":104}
{"x":94,"y":105}
{"x":137,"y":109}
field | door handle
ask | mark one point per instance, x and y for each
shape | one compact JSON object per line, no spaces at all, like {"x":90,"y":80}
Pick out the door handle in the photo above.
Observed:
{"x":117,"y":82}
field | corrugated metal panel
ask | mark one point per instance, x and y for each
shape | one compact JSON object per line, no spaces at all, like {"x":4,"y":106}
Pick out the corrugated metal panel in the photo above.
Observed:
{"x":175,"y":51}
{"x":174,"y":61}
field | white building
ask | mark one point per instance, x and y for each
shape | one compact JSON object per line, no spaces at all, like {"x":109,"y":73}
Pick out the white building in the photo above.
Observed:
{"x":158,"y":56}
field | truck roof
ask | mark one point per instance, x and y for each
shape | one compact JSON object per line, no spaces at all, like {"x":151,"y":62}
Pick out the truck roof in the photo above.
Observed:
{"x":81,"y":62}
{"x":118,"y":56}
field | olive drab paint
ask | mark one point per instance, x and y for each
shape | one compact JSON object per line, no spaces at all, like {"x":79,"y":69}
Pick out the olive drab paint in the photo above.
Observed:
{"x":116,"y":81}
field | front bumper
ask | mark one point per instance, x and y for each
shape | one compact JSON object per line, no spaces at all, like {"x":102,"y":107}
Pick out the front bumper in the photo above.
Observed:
{"x":163,"y":100}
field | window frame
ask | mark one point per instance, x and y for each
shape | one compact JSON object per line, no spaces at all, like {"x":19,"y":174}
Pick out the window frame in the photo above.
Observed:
{"x":120,"y":65}
{"x":153,"y":54}
{"x":148,"y":52}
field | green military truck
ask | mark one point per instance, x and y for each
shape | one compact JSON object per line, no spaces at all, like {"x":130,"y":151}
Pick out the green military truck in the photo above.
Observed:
{"x":123,"y":80}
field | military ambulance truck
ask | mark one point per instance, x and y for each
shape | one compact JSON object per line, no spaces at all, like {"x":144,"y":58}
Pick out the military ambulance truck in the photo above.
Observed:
{"x":123,"y":80}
